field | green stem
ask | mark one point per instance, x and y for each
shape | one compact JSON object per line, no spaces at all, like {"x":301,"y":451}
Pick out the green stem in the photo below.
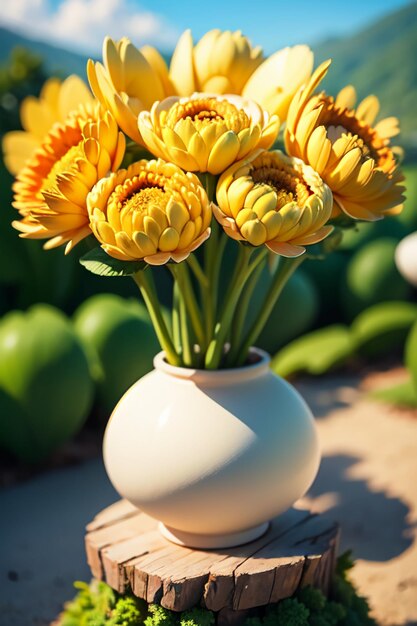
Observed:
{"x":215,"y":274}
{"x":151,"y":300}
{"x":181,"y":275}
{"x":197,"y":271}
{"x":176,"y":323}
{"x":186,"y":341}
{"x":212,"y":259}
{"x":285,"y":269}
{"x":242,"y":308}
{"x":215,"y":349}
{"x":209,"y":182}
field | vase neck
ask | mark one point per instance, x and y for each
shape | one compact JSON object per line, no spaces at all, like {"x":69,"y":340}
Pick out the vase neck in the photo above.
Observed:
{"x":258,"y":365}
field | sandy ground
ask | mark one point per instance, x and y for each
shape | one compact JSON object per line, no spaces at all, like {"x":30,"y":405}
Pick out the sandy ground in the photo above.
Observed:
{"x":368,"y":482}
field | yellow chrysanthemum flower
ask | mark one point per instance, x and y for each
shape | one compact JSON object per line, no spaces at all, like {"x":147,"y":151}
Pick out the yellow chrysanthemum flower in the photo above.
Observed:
{"x":152,"y":211}
{"x":51,"y":190}
{"x":353,"y":156}
{"x":57,"y":99}
{"x":130,"y":81}
{"x":274,"y":200}
{"x":225,"y":62}
{"x":221,"y":62}
{"x":206,"y":133}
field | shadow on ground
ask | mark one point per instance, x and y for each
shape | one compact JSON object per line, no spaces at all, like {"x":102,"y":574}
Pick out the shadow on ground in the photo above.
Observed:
{"x":329,"y":394}
{"x":374,"y":523}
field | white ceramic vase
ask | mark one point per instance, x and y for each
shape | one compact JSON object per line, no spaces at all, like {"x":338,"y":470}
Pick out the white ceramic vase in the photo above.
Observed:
{"x":212,"y":455}
{"x":406,"y":258}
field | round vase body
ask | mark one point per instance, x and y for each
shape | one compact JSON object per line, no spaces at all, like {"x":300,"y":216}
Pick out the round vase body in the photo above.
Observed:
{"x":213,"y":455}
{"x":406,"y":258}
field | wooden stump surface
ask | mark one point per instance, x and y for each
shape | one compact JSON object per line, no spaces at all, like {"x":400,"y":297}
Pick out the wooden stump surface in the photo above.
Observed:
{"x":125,"y":548}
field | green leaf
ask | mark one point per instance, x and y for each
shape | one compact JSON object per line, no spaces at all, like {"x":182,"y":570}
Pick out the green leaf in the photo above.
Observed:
{"x":403,"y":394}
{"x":97,"y":261}
{"x":315,"y":353}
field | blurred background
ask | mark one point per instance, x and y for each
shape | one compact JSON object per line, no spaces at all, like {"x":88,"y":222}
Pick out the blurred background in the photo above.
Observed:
{"x":109,"y":340}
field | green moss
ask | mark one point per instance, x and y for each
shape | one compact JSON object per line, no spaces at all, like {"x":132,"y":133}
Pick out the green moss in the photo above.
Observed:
{"x":197,"y":617}
{"x":159,"y":616}
{"x":98,"y":605}
{"x":288,"y":612}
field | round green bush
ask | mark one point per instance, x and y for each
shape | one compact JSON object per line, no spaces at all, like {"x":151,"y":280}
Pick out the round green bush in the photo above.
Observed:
{"x":411,"y":353}
{"x":383,"y":327}
{"x":45,"y":385}
{"x":372,"y":277}
{"x":408,"y":215}
{"x":354,"y":238}
{"x":315,"y":353}
{"x":120,"y":342}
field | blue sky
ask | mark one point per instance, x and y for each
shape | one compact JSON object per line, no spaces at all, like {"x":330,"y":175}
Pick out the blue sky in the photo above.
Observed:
{"x":80,"y":25}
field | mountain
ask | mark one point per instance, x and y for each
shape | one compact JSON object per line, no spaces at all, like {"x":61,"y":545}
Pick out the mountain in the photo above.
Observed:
{"x":380,"y":59}
{"x":56,"y":60}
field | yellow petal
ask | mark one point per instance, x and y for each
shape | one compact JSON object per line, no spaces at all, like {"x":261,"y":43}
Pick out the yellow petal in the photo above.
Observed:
{"x":187,"y":235}
{"x":254,"y":232}
{"x":152,"y":229}
{"x":237,"y":193}
{"x":36,"y":118}
{"x":177,"y":215}
{"x":223,"y":153}
{"x":297,"y":105}
{"x":266,"y":203}
{"x":368,"y":109}
{"x":113,"y":63}
{"x":157,"y":62}
{"x":318,"y":149}
{"x":218,"y":85}
{"x":278,"y":78}
{"x":140,"y":80}
{"x":73,"y":92}
{"x":202,"y":56}
{"x":144,"y":243}
{"x":344,"y":169}
{"x":285,"y":249}
{"x":18,"y":147}
{"x":272,"y":222}
{"x":181,"y":71}
{"x":346,"y":97}
{"x":388,"y":127}
{"x":244,"y":216}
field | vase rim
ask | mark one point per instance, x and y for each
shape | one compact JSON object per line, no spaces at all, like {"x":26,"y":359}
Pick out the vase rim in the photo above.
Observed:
{"x":217,"y":377}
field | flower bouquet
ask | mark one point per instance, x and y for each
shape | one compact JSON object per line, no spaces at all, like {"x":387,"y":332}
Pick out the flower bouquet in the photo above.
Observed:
{"x":183,"y":169}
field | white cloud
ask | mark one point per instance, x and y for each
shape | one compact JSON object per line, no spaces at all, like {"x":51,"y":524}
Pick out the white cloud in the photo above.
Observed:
{"x":82,"y":24}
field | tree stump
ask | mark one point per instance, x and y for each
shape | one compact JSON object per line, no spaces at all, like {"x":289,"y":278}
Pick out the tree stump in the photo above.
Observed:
{"x":125,"y":549}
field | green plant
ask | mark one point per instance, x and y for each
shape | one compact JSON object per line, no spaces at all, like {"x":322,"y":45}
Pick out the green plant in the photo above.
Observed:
{"x":383,"y":327}
{"x":45,"y":385}
{"x":403,"y":395}
{"x":372,"y":277}
{"x":411,"y":354}
{"x":98,"y":605}
{"x":120,"y":342}
{"x":315,"y":353}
